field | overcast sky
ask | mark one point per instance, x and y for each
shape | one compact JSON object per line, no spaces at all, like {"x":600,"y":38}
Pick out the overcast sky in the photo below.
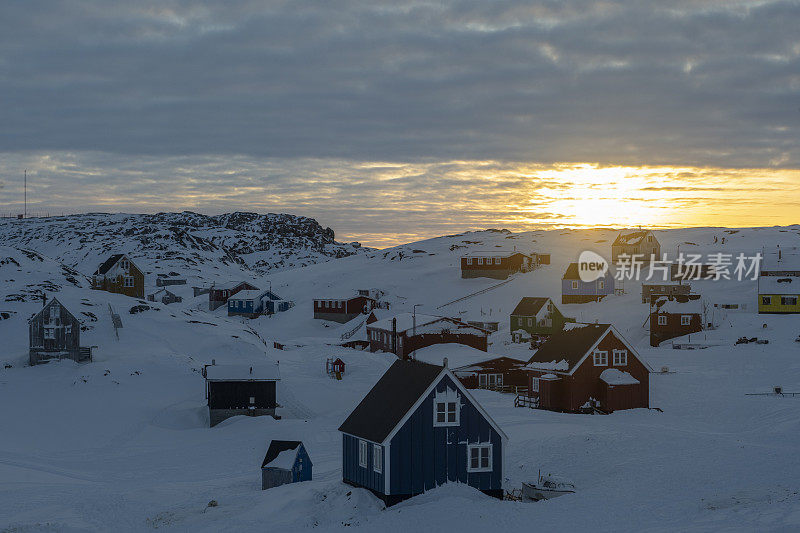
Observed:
{"x":131,"y":97}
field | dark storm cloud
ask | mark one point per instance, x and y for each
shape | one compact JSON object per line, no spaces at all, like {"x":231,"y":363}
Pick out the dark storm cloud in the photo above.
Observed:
{"x":669,"y":82}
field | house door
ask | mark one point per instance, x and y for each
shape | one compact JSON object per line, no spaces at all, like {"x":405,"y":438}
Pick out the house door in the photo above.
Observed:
{"x":492,"y":381}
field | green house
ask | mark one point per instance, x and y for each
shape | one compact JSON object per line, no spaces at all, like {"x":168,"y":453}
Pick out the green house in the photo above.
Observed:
{"x":536,"y":316}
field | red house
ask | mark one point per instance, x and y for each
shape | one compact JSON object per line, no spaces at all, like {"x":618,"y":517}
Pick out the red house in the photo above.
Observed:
{"x":588,"y":366}
{"x":495,"y":264}
{"x":342,"y":309}
{"x":218,"y":295}
{"x":500,"y":374}
{"x":399,"y":335}
{"x":675,"y":316}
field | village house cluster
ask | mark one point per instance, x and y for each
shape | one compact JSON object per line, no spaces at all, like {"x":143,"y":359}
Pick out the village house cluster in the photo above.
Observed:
{"x":395,"y":441}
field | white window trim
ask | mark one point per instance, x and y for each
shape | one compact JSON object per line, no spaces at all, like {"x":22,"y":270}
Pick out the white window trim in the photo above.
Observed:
{"x":128,"y":281}
{"x":447,"y":397}
{"x":600,"y":358}
{"x":601,"y":284}
{"x":686,"y":320}
{"x":377,"y":458}
{"x":480,"y":260}
{"x":534,"y":384}
{"x":662,"y":320}
{"x":362,"y":453}
{"x":469,"y":260}
{"x":471,"y":447}
{"x":496,"y":260}
{"x":574,"y":284}
{"x":620,"y":358}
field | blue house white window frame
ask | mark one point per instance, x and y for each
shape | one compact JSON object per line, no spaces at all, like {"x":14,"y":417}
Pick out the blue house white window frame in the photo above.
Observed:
{"x":447,"y":408}
{"x":362,"y":453}
{"x":479,"y":457}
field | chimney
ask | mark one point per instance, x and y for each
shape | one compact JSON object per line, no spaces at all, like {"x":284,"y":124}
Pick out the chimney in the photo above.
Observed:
{"x":394,"y":335}
{"x":213,"y":362}
{"x":444,"y":362}
{"x":44,"y":300}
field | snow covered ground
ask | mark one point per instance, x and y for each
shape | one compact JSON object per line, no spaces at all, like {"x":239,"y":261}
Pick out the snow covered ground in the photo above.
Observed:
{"x":122,"y":443}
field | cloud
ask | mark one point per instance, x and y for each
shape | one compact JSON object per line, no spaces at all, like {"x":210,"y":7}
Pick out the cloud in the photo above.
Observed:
{"x":690,"y":83}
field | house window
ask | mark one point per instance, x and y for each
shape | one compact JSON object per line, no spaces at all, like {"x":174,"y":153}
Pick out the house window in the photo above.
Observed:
{"x":534,"y":384}
{"x":496,"y":260}
{"x":377,"y":458}
{"x":469,"y":260}
{"x":124,"y":265}
{"x":766,"y":300}
{"x":530,"y":322}
{"x":662,"y":320}
{"x":788,"y":300}
{"x":601,"y":284}
{"x":68,"y":329}
{"x":480,"y":260}
{"x":362,"y":453}
{"x":686,"y":320}
{"x":49,"y":333}
{"x":600,"y":358}
{"x":446,"y":408}
{"x":574,"y":284}
{"x":649,"y":238}
{"x":479,"y":458}
{"x":128,"y":281}
{"x":620,"y":357}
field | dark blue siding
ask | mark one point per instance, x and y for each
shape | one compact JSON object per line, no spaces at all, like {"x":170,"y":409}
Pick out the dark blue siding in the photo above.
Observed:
{"x":302,"y":466}
{"x":424,"y":456}
{"x":358,"y":475}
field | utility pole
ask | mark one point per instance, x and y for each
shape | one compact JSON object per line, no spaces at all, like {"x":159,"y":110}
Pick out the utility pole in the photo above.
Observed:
{"x":25,"y":212}
{"x":414,"y":329}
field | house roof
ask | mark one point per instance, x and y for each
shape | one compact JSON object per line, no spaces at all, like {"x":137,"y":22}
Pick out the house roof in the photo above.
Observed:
{"x":630,"y":238}
{"x":110,"y":262}
{"x":48,"y":304}
{"x":565,"y":349}
{"x":255,"y":372}
{"x":232,"y":285}
{"x":501,"y":362}
{"x":390,"y":399}
{"x":346,"y":298}
{"x":405,"y":321}
{"x":276,"y":447}
{"x":458,"y":355}
{"x":494,"y":253}
{"x":615,"y":376}
{"x":529,"y":306}
{"x":789,"y":285}
{"x":248,"y":295}
{"x":678,"y":305}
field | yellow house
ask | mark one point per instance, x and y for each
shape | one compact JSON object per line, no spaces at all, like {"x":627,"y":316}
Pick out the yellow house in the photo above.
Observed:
{"x":779,"y":294}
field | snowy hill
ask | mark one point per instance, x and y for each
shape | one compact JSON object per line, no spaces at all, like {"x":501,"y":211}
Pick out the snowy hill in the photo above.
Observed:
{"x":198,"y":246}
{"x":122,"y":443}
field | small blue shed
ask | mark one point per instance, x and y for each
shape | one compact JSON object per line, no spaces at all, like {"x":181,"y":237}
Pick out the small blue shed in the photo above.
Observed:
{"x":576,"y":291}
{"x":252,"y":303}
{"x":419,"y":428}
{"x":286,"y":462}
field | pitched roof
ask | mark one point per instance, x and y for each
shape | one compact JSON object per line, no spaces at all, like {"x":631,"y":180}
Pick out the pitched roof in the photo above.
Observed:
{"x":572,"y":272}
{"x":278,"y":446}
{"x":110,"y":262}
{"x":529,"y":306}
{"x":256,"y":372}
{"x":567,"y":347}
{"x":788,"y":285}
{"x":628,"y":238}
{"x":48,"y":304}
{"x":405,"y":321}
{"x":494,"y":253}
{"x":390,"y":399}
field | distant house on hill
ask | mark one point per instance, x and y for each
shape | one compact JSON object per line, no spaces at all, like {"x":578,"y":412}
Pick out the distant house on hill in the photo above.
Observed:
{"x":417,"y":429}
{"x":120,"y":275}
{"x":495,"y":264}
{"x":779,"y":294}
{"x":163,"y":280}
{"x":287,"y":461}
{"x":675,"y":316}
{"x":164,"y":296}
{"x":234,"y":390}
{"x":254,"y":303}
{"x":638,"y":242}
{"x":399,"y":335}
{"x":588,"y":366}
{"x":576,"y":291}
{"x":663,"y":289}
{"x":55,"y":333}
{"x":218,"y":294}
{"x":536,"y":316}
{"x":343,"y":310}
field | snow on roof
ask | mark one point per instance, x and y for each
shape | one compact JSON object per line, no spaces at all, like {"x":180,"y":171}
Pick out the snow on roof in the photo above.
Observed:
{"x":630,"y":238}
{"x":254,"y":372}
{"x":675,"y":307}
{"x":284,"y":459}
{"x":458,"y":355}
{"x":549,"y":376}
{"x":779,"y":285}
{"x":561,"y":366}
{"x":614,"y":376}
{"x":248,"y":295}
{"x":405,"y":322}
{"x":789,"y":260}
{"x":493,"y":253}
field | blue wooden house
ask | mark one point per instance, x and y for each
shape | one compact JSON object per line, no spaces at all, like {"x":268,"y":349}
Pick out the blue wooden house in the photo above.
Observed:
{"x":253,"y":303}
{"x":286,"y":462}
{"x":576,"y":291}
{"x":419,"y":428}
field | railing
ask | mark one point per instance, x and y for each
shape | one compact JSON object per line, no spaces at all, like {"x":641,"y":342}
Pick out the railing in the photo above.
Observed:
{"x":116,"y":320}
{"x":523,"y":400}
{"x":353,"y":331}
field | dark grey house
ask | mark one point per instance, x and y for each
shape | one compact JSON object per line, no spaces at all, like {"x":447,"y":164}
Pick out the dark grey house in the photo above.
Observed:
{"x":55,"y":333}
{"x":165,"y":296}
{"x":248,"y":390}
{"x":286,"y":462}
